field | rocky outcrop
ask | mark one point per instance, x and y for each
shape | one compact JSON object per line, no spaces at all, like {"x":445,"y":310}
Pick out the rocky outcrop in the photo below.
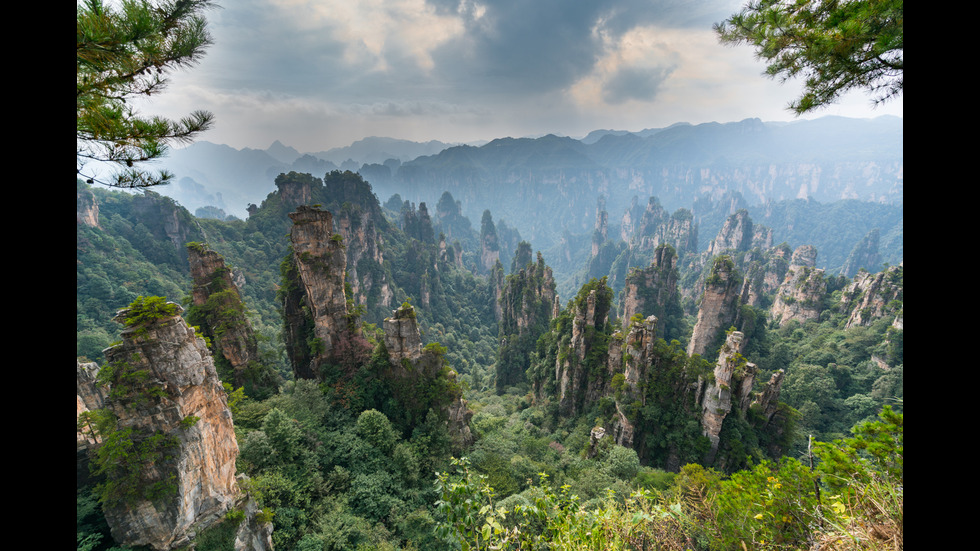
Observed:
{"x":731,"y":388}
{"x":86,"y":207}
{"x":576,"y":383}
{"x":800,"y":296}
{"x":295,"y":189}
{"x":764,"y":272}
{"x":719,"y":305}
{"x":450,"y":254}
{"x":253,"y":534}
{"x":526,"y":306}
{"x":601,"y":230}
{"x":496,"y":280}
{"x":363,"y":245}
{"x":320,"y":262}
{"x":870,"y":297}
{"x":416,"y":370}
{"x":489,"y":243}
{"x":864,"y":255}
{"x":740,"y":234}
{"x":401,"y":335}
{"x":768,"y":399}
{"x":90,"y":396}
{"x":170,"y":221}
{"x":631,"y":355}
{"x":653,"y":290}
{"x":649,"y":229}
{"x":219,"y":306}
{"x":163,"y":387}
{"x":527,"y":298}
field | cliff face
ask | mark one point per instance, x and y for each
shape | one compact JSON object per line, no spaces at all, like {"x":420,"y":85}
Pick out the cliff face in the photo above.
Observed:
{"x":364,"y":244}
{"x":719,"y":306}
{"x":648,"y":229}
{"x":731,"y":388}
{"x":174,"y":222}
{"x":576,"y":384}
{"x":90,"y":396}
{"x":86,"y":208}
{"x":295,"y":189}
{"x":164,"y":386}
{"x":730,"y":393}
{"x":631,"y":355}
{"x":800,"y":295}
{"x":873,"y":296}
{"x":320,"y":261}
{"x":215,"y":295}
{"x":653,"y":290}
{"x":764,"y":271}
{"x":527,"y":298}
{"x":526,"y":307}
{"x":864,"y":255}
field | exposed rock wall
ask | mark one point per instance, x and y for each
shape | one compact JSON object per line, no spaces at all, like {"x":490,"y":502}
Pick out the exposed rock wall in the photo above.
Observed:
{"x":174,"y":222}
{"x":86,"y":208}
{"x":653,"y":290}
{"x":179,"y":396}
{"x":90,"y":396}
{"x":526,"y":307}
{"x":364,"y":245}
{"x":801,"y":293}
{"x":730,"y":389}
{"x":764,"y":272}
{"x":864,"y":255}
{"x":227,"y":325}
{"x":873,"y":296}
{"x":401,"y":335}
{"x":719,"y":305}
{"x":647,"y":229}
{"x":295,"y":189}
{"x":489,"y":243}
{"x":576,"y":384}
{"x":631,"y":355}
{"x":527,"y":298}
{"x":320,"y":260}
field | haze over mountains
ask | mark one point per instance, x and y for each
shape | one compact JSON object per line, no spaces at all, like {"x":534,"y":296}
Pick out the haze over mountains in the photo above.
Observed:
{"x":551,"y":187}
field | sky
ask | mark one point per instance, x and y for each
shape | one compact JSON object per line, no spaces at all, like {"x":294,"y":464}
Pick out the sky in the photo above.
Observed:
{"x":318,"y":74}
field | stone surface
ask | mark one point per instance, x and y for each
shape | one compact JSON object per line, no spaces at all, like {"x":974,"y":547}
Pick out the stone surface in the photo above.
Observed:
{"x":181,"y":369}
{"x":719,"y":305}
{"x":732,"y":386}
{"x":870,"y":297}
{"x":801,"y":293}
{"x":233,"y":338}
{"x":320,"y":261}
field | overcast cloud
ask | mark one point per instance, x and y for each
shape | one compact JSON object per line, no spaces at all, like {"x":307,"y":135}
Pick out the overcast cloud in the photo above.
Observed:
{"x":317,"y":74}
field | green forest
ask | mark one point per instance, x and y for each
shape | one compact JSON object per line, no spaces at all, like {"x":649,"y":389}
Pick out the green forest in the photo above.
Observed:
{"x":348,"y":457}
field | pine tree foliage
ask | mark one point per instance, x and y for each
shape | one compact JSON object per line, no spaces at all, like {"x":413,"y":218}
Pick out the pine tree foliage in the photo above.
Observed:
{"x":835,"y":45}
{"x":123,"y":52}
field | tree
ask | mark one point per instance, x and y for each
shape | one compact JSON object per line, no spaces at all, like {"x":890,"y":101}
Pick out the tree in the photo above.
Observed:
{"x":836,"y":45}
{"x":124,"y":52}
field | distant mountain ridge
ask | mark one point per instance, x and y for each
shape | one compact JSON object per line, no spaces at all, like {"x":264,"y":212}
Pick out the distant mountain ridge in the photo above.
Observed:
{"x":825,"y":159}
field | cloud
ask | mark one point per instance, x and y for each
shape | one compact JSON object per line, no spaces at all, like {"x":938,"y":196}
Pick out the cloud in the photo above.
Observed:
{"x":635,"y":83}
{"x":333,"y":71}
